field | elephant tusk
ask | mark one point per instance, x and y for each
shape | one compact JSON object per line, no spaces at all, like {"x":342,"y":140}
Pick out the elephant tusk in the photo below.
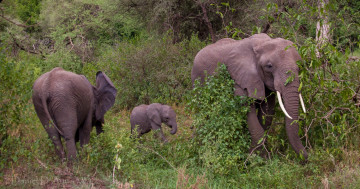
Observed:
{"x":302,"y":103}
{"x":282,"y":105}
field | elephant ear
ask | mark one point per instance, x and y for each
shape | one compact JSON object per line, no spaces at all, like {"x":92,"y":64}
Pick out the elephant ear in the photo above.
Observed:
{"x":250,"y":85}
{"x":106,"y":93}
{"x":153,"y":113}
{"x":247,"y":79}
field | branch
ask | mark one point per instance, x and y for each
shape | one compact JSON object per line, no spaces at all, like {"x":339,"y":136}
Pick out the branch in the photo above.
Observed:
{"x":207,"y":21}
{"x":23,"y":48}
{"x":267,"y":27}
{"x":7,"y":19}
{"x":72,"y":45}
{"x":147,"y":148}
{"x":256,"y":147}
{"x":332,"y":110}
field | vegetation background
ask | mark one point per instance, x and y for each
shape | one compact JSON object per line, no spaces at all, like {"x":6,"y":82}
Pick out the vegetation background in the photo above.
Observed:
{"x":147,"y":49}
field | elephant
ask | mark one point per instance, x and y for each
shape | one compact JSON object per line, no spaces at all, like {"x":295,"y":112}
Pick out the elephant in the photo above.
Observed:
{"x":68,"y":106}
{"x":259,"y":66}
{"x":150,"y":117}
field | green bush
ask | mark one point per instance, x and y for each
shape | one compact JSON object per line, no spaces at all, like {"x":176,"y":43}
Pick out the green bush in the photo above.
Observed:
{"x":222,"y":137}
{"x":28,"y":12}
{"x":148,"y":69}
{"x":331,"y":88}
{"x":16,"y":80}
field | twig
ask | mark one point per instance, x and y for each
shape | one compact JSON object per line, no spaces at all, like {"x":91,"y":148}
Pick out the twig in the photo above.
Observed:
{"x":72,"y":44}
{"x":143,"y":147}
{"x":332,"y":110}
{"x":21,"y":25}
{"x":113,"y":175}
{"x":41,"y":163}
{"x":253,"y":150}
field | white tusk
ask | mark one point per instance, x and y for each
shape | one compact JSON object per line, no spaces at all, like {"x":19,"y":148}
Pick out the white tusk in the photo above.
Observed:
{"x":302,"y":103}
{"x":282,"y":105}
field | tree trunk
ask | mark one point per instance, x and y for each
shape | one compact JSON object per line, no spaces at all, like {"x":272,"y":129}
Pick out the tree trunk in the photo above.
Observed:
{"x":322,"y":27}
{"x":207,"y":21}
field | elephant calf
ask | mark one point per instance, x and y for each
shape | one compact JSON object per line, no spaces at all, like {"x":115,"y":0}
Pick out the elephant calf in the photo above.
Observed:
{"x":68,"y":106}
{"x":150,"y":117}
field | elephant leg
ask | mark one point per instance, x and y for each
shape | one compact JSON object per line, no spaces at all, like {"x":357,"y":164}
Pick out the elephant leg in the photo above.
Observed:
{"x":137,"y":130}
{"x":85,"y":130}
{"x":56,"y":139}
{"x":255,"y":128}
{"x":52,"y":132}
{"x":158,"y":133}
{"x":266,"y":111}
{"x":71,"y":148}
{"x":77,"y":137}
{"x":67,"y":121}
{"x":99,"y":126}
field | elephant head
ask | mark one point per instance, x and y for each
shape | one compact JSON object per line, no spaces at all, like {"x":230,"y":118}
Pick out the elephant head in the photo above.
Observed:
{"x":159,"y":113}
{"x":277,"y":69}
{"x":259,"y":66}
{"x":104,"y":94}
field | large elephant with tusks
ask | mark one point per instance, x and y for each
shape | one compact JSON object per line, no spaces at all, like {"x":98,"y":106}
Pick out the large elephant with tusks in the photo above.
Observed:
{"x":260,"y":66}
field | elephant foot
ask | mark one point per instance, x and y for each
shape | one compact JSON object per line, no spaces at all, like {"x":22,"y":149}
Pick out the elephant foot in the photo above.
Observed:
{"x":61,"y":155}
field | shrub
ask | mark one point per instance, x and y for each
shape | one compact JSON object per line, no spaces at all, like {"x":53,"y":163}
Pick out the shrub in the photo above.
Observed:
{"x":334,"y":120}
{"x":222,"y":137}
{"x":28,"y":12}
{"x":149,"y":69}
{"x":16,"y":80}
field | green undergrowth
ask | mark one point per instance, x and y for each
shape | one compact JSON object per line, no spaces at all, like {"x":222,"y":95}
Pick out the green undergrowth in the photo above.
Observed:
{"x":219,"y":119}
{"x":210,"y":149}
{"x":114,"y":160}
{"x":152,"y":164}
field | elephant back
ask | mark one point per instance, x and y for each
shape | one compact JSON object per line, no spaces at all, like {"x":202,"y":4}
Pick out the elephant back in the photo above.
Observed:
{"x":138,"y":116}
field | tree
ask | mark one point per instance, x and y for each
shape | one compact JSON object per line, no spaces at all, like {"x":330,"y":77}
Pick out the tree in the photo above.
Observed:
{"x":322,"y":26}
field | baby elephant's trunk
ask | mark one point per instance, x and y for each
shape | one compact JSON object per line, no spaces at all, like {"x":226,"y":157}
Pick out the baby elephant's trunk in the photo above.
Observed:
{"x":174,"y":129}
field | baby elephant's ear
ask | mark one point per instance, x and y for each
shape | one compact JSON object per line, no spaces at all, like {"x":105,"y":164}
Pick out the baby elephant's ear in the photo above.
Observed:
{"x":106,"y":93}
{"x":153,"y":113}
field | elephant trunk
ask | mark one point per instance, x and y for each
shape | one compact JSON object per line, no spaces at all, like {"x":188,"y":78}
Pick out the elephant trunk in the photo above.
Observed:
{"x":99,"y":127}
{"x":174,"y":129}
{"x":291,"y":101}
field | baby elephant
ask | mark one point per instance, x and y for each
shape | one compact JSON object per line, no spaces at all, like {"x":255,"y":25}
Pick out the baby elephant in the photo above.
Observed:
{"x":147,"y":117}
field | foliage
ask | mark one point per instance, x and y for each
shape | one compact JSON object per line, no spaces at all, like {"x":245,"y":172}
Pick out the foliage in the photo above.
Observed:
{"x":330,"y":71}
{"x":148,"y":70}
{"x":219,"y":118}
{"x":28,"y":11}
{"x":16,"y":81}
{"x":184,"y":18}
{"x":297,"y":21}
{"x":346,"y":29}
{"x":333,"y":121}
{"x":85,"y":36}
{"x":72,"y":31}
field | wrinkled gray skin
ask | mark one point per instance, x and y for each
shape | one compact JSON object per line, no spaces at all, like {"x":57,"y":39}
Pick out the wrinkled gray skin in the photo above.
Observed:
{"x":150,"y":117}
{"x":259,"y":65}
{"x":68,"y":106}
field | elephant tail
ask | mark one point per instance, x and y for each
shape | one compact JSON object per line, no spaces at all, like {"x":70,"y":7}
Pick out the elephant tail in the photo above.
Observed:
{"x":46,"y":110}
